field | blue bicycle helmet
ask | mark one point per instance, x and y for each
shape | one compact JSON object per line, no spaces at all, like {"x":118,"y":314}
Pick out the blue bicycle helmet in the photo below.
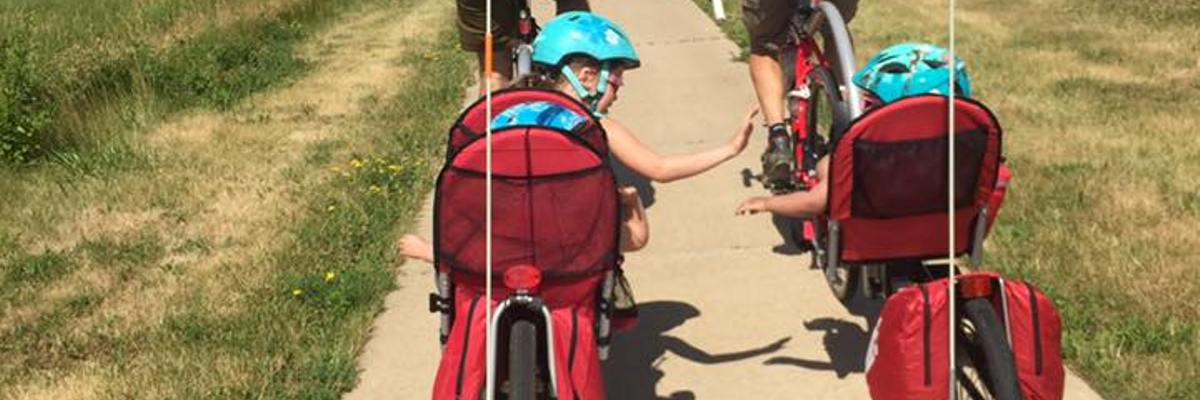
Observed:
{"x":584,"y":33}
{"x":910,"y":69}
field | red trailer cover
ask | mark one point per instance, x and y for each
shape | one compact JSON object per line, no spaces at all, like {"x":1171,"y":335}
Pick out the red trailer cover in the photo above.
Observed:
{"x":555,"y":208}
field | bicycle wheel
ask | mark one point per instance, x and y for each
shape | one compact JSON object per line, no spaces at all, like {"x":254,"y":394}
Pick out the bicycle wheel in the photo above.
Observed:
{"x":827,"y":118}
{"x":984,"y":366}
{"x":828,"y":114}
{"x":522,"y":361}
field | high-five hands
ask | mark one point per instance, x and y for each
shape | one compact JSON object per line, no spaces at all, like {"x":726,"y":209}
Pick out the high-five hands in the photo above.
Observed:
{"x":739,"y":140}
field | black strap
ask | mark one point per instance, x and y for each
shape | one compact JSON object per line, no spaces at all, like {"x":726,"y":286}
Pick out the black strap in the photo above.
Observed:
{"x":574,"y":338}
{"x":462,"y":362}
{"x":1037,"y":328}
{"x":440,"y":304}
{"x":928,"y":322}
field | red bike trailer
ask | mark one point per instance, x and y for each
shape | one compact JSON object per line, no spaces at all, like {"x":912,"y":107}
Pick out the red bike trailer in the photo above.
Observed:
{"x":555,"y":209}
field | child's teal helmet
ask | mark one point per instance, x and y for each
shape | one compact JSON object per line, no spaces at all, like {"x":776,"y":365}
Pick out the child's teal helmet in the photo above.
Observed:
{"x":909,"y":69}
{"x":584,"y":33}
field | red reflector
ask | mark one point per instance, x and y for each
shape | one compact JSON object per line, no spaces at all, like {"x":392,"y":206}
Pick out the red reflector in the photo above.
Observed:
{"x":522,"y":278}
{"x":975,"y":286}
{"x":525,"y":26}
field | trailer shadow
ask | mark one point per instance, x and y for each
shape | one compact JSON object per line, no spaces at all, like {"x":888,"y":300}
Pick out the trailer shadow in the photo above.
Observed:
{"x":632,"y":370}
{"x":845,"y":341}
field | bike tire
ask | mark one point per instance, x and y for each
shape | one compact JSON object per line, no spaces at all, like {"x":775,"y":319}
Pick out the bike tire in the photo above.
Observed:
{"x":984,"y":348}
{"x":522,"y":361}
{"x":845,"y":280}
{"x":824,"y":94}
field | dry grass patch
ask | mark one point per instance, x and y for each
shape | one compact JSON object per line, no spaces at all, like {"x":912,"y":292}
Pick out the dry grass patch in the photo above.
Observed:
{"x":157,"y":269}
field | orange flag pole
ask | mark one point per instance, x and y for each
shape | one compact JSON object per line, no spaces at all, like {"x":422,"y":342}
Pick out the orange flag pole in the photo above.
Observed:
{"x":488,"y":56}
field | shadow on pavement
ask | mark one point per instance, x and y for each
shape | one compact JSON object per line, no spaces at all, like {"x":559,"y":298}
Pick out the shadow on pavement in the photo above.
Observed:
{"x":626,"y":177}
{"x":632,"y":372}
{"x":787,"y":228}
{"x":845,"y":341}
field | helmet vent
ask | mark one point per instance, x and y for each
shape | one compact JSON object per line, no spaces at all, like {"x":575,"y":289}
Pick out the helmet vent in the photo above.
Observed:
{"x":894,"y":68}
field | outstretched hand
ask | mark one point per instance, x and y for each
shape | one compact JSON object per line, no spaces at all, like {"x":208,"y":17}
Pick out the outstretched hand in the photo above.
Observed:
{"x":742,"y":137}
{"x":753,"y":205}
{"x":413,"y":246}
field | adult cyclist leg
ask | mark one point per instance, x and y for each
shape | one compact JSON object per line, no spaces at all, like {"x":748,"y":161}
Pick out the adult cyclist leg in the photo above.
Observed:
{"x":767,"y":22}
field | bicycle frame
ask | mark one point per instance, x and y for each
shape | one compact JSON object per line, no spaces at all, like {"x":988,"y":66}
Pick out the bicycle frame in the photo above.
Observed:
{"x":805,"y":176}
{"x":808,"y":57}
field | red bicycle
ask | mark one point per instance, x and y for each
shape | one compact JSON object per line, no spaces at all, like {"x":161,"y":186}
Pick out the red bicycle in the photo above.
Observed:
{"x":821,"y":102}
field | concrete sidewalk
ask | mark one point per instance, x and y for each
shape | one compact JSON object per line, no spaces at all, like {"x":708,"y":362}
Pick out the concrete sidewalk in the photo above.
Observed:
{"x":724,"y":315}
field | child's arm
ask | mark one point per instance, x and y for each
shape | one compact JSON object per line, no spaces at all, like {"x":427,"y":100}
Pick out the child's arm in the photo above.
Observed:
{"x":635,"y":232}
{"x":662,"y":169}
{"x":413,"y":246}
{"x":796,"y":204}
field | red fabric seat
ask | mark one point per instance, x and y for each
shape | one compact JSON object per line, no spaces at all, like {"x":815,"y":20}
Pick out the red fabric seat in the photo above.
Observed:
{"x":888,"y":179}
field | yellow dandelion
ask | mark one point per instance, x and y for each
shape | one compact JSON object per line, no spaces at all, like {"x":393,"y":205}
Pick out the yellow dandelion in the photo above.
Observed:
{"x":331,"y":208}
{"x":375,"y":189}
{"x":356,"y":163}
{"x":394,"y":168}
{"x":330,"y":276}
{"x":297,"y":292}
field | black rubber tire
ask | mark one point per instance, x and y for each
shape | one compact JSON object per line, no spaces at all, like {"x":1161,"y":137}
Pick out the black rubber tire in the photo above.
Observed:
{"x":985,"y":348}
{"x":826,"y":93}
{"x":846,"y":286}
{"x":522,"y":361}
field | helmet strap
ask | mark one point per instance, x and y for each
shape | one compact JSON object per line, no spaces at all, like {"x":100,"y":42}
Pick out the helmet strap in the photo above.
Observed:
{"x":592,"y":99}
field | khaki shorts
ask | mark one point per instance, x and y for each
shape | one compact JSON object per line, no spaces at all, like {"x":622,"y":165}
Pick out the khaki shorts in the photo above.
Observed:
{"x":472,"y":21}
{"x":767,"y":21}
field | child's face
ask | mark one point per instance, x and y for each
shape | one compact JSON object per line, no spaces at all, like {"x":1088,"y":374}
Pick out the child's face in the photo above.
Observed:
{"x":615,"y":80}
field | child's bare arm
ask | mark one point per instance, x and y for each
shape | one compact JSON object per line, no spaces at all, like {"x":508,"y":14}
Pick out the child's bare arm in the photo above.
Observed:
{"x":413,"y":246}
{"x":635,"y":232}
{"x":646,"y":162}
{"x":796,"y":204}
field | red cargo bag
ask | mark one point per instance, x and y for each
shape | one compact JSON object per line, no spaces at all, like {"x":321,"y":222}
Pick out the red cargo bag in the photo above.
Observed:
{"x":1035,"y":336}
{"x":908,"y":357}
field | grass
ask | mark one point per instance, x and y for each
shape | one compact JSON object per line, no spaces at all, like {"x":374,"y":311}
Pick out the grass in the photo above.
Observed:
{"x":78,"y":76}
{"x":132,"y":283}
{"x":1098,"y":111}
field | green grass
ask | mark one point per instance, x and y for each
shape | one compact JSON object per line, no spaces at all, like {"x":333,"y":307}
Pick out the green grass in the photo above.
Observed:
{"x":329,"y":283}
{"x":79,"y":76}
{"x":1099,"y":115}
{"x":732,"y":26}
{"x":285,"y":323}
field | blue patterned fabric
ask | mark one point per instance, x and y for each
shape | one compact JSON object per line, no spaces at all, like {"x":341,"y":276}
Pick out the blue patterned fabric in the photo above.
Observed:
{"x":538,"y":113}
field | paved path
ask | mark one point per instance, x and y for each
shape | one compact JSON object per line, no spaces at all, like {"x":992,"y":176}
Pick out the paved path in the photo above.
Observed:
{"x":715,"y":295}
